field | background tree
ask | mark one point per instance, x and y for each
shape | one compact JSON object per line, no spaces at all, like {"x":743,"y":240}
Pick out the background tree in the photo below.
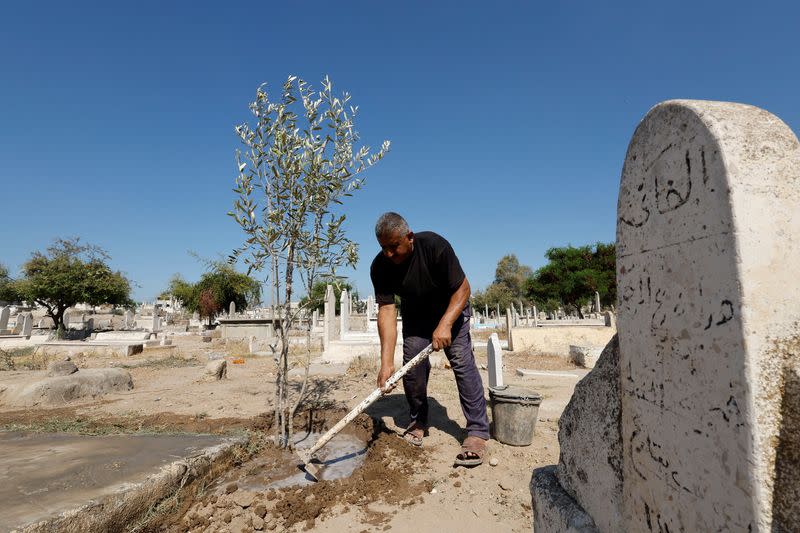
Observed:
{"x":7,"y":292}
{"x":513,"y":276}
{"x":69,"y":273}
{"x":573,"y":274}
{"x":509,"y":286}
{"x":495,"y":295}
{"x":217,"y":288}
{"x":316,"y":297}
{"x":299,"y":161}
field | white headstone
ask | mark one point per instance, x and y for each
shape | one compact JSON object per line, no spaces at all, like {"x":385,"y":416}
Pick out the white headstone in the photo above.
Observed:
{"x":494,"y":355}
{"x":5,"y":312}
{"x":27,"y":325}
{"x":708,"y":245}
{"x":370,"y":306}
{"x":329,"y":324}
{"x":372,"y":325}
{"x":596,"y":302}
{"x":509,"y":326}
{"x":232,"y":309}
{"x":344,"y":312}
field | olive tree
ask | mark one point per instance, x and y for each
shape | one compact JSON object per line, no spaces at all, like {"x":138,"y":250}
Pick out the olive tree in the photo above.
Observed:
{"x":298,"y":164}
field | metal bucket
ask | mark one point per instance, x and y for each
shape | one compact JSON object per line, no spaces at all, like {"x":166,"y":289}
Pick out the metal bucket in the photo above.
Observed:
{"x":514,"y":412}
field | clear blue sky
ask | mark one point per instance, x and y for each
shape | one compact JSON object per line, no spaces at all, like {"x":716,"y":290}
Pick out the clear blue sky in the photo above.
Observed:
{"x":509,"y":121}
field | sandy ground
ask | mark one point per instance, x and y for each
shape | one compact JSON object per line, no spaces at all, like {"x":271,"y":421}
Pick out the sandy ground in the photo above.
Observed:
{"x":435,"y":496}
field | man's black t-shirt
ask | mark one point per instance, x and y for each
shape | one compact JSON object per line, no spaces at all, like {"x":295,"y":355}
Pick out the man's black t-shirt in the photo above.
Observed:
{"x":425,"y":282}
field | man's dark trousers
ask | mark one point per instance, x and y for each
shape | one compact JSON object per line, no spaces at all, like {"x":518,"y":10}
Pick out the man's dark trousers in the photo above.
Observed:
{"x":468,"y":380}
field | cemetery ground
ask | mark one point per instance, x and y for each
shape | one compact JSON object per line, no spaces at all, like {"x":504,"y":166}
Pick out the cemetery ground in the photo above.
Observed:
{"x":398,"y":487}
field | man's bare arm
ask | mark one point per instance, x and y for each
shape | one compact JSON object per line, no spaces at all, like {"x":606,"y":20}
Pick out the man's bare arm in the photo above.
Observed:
{"x":442,"y":333}
{"x":387,"y":331}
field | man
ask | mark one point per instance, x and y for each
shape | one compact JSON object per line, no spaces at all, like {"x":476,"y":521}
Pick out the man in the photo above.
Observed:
{"x":425,"y":273}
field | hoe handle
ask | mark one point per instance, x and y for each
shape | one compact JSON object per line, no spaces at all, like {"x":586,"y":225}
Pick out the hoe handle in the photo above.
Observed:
{"x":369,"y":400}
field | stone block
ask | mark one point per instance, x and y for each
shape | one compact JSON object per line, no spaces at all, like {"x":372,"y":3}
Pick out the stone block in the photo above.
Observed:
{"x":218,"y":368}
{"x":61,"y":368}
{"x":585,"y":356}
{"x":555,"y":511}
{"x":590,"y":440}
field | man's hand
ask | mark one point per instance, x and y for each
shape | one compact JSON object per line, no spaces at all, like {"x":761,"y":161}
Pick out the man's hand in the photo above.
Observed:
{"x":384,"y":374}
{"x":441,"y":337}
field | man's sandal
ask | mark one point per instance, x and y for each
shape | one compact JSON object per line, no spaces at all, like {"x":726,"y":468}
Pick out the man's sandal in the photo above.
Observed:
{"x":413,"y":434}
{"x":472,"y":451}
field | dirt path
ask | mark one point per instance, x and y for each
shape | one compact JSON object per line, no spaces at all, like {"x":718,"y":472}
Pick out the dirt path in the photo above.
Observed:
{"x":400,"y":488}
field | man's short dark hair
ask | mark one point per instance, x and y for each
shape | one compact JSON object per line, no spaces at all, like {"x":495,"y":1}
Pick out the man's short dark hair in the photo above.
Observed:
{"x":389,"y":223}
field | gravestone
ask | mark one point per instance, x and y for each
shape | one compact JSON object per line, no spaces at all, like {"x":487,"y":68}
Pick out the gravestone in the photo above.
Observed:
{"x":711,"y":284}
{"x":535,"y":316}
{"x":329,"y":324}
{"x":129,"y":322}
{"x":609,"y":320}
{"x":344,"y":313}
{"x":27,"y":325}
{"x":372,"y":325}
{"x":596,"y":302}
{"x":18,"y":321}
{"x":494,"y":356}
{"x":5,"y":312}
{"x":231,"y":309}
{"x":509,"y":326}
{"x":65,"y":319}
{"x":708,"y":219}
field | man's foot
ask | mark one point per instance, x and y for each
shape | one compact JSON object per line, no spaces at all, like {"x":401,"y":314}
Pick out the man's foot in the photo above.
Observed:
{"x":472,"y":451}
{"x":414,"y":433}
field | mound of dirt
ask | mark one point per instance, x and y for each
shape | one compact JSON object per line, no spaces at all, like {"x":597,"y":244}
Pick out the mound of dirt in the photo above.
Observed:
{"x":387,"y":476}
{"x":91,"y":383}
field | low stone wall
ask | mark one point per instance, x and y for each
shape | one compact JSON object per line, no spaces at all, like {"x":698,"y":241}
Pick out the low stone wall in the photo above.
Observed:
{"x":556,"y":340}
{"x":107,"y":348}
{"x":245,"y":331}
{"x":346,"y":351}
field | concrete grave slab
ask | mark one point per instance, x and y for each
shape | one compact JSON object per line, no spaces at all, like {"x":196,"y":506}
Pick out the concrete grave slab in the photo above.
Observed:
{"x":80,"y":483}
{"x":58,"y":390}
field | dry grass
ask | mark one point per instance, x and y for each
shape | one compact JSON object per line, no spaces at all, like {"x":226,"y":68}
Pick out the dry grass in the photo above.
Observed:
{"x":363,"y":365}
{"x":28,"y":358}
{"x":172,"y":361}
{"x":484,"y":334}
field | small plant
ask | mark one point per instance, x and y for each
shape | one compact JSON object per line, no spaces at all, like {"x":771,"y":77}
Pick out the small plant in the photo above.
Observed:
{"x":299,"y":162}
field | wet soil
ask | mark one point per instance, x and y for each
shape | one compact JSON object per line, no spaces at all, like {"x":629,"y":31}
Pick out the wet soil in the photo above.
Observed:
{"x":387,"y":476}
